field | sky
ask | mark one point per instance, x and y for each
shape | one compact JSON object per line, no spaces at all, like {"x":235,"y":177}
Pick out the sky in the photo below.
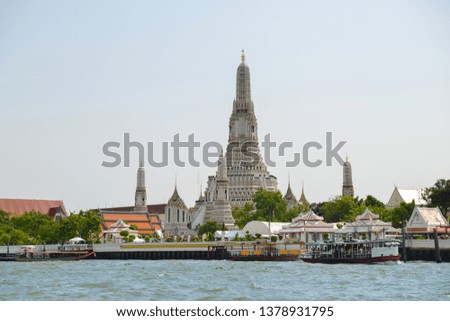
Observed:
{"x":75,"y":75}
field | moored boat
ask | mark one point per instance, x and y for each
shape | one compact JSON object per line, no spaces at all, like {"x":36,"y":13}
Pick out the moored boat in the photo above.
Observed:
{"x":30,"y":254}
{"x":74,"y":250}
{"x":352,"y":252}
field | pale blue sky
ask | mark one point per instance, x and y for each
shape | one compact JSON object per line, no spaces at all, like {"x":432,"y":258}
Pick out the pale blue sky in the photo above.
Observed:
{"x":76,"y":74}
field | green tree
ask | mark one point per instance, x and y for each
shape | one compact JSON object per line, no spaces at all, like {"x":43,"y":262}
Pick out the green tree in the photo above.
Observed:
{"x":210,"y":227}
{"x":371,"y":201}
{"x":4,"y":218}
{"x":439,"y":195}
{"x":86,"y":225}
{"x":243,"y":215}
{"x":39,"y":227}
{"x":12,"y":236}
{"x":341,"y":209}
{"x":401,"y":214}
{"x":377,"y":207}
{"x":270,"y":206}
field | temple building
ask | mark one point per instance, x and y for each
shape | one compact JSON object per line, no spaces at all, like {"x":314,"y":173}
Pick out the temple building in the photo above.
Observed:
{"x":308,"y":227}
{"x":177,"y":216}
{"x":424,"y":220}
{"x":347,"y":186}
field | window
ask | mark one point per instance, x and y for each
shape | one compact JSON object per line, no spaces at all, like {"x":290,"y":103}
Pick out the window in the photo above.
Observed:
{"x":168,"y":215}
{"x":184,"y":217}
{"x":178,"y":215}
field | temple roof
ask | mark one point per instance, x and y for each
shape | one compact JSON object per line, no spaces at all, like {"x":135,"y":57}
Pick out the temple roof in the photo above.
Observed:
{"x":367,"y":215}
{"x":408,"y":195}
{"x":309,"y":216}
{"x":289,"y":196}
{"x":176,"y":200}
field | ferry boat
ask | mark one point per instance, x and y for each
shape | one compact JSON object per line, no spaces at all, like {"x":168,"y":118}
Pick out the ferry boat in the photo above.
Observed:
{"x":352,"y":252}
{"x":262,"y":252}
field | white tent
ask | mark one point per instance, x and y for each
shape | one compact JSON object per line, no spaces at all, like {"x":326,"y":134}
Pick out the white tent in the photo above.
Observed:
{"x":260,"y":227}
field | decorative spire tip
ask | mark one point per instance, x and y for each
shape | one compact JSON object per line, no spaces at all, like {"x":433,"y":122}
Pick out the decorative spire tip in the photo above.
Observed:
{"x":243,"y":56}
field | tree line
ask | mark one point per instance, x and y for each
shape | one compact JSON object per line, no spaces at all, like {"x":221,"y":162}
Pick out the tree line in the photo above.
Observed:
{"x":36,"y":228}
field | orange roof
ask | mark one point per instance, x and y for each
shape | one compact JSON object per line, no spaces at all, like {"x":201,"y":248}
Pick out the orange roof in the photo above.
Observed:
{"x":18,"y":207}
{"x":146,"y":223}
{"x":128,"y":217}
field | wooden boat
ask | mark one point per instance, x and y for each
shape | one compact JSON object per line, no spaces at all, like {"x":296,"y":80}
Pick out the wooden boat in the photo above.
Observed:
{"x":262,"y":252}
{"x":352,"y":252}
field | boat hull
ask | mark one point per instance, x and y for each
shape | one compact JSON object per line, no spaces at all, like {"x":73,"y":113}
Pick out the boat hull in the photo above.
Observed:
{"x":352,"y":260}
{"x":55,"y":256}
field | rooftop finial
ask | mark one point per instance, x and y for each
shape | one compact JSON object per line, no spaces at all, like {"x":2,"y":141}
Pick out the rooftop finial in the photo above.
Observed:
{"x":346,"y":157}
{"x":243,"y":56}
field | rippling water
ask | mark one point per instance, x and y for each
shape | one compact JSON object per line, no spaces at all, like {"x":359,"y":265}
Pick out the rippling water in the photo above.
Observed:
{"x":222,"y":280}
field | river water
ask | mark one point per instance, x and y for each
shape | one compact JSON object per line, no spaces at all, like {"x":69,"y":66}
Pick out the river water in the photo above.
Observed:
{"x":222,"y":280}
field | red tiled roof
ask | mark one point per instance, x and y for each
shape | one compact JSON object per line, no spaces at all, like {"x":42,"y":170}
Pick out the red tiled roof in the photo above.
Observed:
{"x":152,"y":208}
{"x":157,"y":208}
{"x":18,"y":207}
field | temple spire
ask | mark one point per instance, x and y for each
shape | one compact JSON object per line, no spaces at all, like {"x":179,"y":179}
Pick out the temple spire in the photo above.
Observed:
{"x":243,"y":56}
{"x":303,"y":201}
{"x":140,"y":199}
{"x":347,"y":185}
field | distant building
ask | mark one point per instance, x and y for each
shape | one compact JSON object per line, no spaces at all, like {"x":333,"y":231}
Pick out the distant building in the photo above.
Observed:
{"x":425,"y":220}
{"x":139,"y":215}
{"x":18,"y":207}
{"x":347,"y":185}
{"x":405,"y":195}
